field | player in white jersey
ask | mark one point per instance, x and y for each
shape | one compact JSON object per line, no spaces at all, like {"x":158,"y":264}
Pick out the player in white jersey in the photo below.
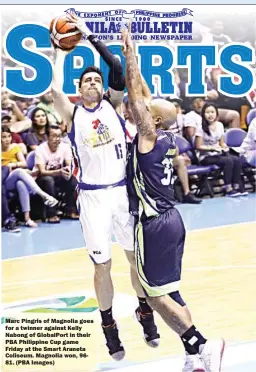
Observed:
{"x":97,"y":134}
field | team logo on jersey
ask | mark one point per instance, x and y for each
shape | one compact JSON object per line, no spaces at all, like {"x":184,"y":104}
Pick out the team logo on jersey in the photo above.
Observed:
{"x":100,"y":134}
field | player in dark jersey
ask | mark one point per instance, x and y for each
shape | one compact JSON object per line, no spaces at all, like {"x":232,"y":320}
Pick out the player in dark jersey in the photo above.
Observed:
{"x":159,"y":229}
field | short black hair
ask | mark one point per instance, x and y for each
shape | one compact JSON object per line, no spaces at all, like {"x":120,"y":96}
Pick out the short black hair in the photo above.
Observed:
{"x":51,"y":126}
{"x":90,"y":69}
{"x":6,"y":129}
{"x":6,"y":116}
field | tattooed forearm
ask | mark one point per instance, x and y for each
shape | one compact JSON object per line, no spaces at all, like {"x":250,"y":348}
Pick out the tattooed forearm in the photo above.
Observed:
{"x":138,"y":107}
{"x":145,"y":89}
{"x":133,"y":79}
{"x":142,"y":118}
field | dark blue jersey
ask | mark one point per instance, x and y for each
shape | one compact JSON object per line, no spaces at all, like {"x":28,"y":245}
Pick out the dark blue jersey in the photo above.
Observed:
{"x":150,"y":177}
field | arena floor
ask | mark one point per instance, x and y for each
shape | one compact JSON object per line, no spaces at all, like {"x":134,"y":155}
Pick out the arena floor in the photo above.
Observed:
{"x":42,"y":266}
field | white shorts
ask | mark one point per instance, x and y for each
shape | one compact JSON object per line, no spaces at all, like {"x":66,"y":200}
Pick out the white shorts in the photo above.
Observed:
{"x":104,"y":213}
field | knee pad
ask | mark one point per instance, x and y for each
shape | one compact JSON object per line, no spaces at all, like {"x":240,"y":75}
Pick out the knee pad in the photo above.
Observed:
{"x":175,"y":296}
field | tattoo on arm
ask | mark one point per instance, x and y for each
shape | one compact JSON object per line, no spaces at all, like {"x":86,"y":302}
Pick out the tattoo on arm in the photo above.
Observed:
{"x":145,"y":89}
{"x":142,"y":118}
{"x":141,"y":115}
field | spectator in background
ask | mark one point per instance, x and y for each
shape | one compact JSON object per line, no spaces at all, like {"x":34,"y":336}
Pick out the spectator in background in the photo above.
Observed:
{"x":178,"y":126}
{"x":5,"y":118}
{"x":23,"y":103}
{"x":213,"y":150}
{"x":18,"y":123}
{"x":53,"y":160}
{"x":46,"y":103}
{"x":228,"y":107}
{"x":218,"y":37}
{"x":211,"y":93}
{"x":16,"y":138}
{"x":65,"y":137}
{"x":180,"y":165}
{"x":37,"y":133}
{"x":183,"y":76}
{"x":193,"y":119}
{"x":248,"y":147}
{"x":19,"y":179}
{"x":11,"y":106}
{"x":180,"y":162}
{"x":8,"y":221}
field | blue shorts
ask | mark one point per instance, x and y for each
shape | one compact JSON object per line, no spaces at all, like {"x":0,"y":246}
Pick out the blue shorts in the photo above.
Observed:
{"x":159,"y":249}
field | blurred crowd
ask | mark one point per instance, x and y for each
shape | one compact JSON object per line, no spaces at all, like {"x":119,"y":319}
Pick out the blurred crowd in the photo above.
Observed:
{"x":37,"y":162}
{"x":38,"y":167}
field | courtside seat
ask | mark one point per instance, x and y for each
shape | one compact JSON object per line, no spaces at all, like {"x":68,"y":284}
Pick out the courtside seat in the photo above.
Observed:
{"x":201,"y":171}
{"x":234,"y":137}
{"x":250,"y":116}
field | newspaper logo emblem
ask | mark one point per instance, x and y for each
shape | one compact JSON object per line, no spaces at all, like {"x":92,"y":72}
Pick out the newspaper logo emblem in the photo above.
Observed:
{"x":144,"y":26}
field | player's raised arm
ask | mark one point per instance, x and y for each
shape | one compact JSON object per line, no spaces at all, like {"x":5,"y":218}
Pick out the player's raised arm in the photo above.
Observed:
{"x":61,"y":101}
{"x":145,"y":91}
{"x":116,"y":80}
{"x":145,"y":125}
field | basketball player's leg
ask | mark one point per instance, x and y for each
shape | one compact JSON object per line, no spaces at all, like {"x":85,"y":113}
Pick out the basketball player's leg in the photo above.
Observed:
{"x":123,"y":227}
{"x":160,"y":277}
{"x":133,"y":273}
{"x":159,"y":268}
{"x":103,"y":285}
{"x":174,"y":315}
{"x":96,"y":221}
{"x":201,"y":354}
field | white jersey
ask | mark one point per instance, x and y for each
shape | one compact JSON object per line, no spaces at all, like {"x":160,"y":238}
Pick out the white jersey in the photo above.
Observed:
{"x":99,"y":143}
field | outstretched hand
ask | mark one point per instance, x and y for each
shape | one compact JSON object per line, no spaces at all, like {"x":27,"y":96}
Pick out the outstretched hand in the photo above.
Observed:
{"x":72,"y":17}
{"x":127,"y":38}
{"x":78,"y":23}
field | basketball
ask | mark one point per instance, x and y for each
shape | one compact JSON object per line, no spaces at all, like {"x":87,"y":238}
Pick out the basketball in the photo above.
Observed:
{"x":64,"y":34}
